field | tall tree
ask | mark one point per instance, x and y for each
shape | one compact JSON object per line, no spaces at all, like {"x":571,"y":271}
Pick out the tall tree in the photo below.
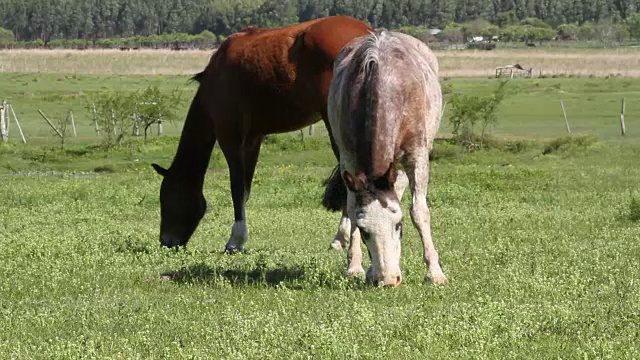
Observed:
{"x":96,"y":19}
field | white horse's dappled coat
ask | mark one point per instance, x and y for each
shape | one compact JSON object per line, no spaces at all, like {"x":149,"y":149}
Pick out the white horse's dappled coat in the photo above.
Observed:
{"x":384,"y":108}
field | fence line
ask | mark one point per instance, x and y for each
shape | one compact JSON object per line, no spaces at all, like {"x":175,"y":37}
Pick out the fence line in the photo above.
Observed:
{"x":623,"y":129}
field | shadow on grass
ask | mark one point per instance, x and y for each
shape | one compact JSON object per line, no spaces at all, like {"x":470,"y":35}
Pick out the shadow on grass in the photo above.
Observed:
{"x":293,"y":278}
{"x":201,"y":273}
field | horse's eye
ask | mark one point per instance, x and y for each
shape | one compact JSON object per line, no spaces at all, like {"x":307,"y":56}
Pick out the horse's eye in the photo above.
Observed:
{"x":399,"y":228}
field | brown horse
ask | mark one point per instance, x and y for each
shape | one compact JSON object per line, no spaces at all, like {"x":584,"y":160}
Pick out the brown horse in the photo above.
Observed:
{"x":385,"y":106}
{"x":259,"y":82}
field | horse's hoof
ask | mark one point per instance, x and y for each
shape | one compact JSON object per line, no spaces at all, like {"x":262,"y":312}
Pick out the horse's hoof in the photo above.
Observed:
{"x":336,"y":245}
{"x":233,"y":249}
{"x":437,"y":279}
{"x":354,"y":271}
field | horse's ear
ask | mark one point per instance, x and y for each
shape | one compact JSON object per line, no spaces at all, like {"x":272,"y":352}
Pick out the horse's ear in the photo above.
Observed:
{"x":388,"y":180}
{"x":160,"y":170}
{"x":391,"y":175}
{"x":354,"y":183}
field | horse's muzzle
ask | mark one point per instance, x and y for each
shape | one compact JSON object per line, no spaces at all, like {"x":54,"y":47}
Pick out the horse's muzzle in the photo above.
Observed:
{"x":389,"y":280}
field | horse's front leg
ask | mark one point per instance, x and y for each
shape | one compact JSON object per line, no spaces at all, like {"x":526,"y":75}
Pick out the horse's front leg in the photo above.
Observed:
{"x":239,"y":231}
{"x":354,"y":253}
{"x":420,"y":215}
{"x":242,"y":169}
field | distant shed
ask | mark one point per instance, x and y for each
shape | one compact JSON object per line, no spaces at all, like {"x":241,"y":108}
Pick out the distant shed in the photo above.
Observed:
{"x":513,"y":70}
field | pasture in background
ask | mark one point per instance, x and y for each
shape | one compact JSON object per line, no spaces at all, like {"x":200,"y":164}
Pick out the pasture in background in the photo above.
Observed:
{"x":538,"y":234}
{"x":531,"y":108}
{"x":468,"y":63}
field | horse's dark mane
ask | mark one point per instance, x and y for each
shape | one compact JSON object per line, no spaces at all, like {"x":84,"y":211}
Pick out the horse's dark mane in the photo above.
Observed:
{"x":369,"y":52}
{"x":198,"y":77}
{"x":252,"y":30}
{"x":335,"y":194}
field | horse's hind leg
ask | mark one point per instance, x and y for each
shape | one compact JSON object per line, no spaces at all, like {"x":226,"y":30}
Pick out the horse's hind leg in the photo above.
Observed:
{"x":400,"y":186}
{"x":341,"y":239}
{"x":418,"y":173}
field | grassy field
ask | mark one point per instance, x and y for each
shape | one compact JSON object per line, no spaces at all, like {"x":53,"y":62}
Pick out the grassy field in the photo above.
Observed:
{"x":532,"y":108}
{"x":539,"y":238}
{"x":582,"y":62}
{"x":540,"y":250}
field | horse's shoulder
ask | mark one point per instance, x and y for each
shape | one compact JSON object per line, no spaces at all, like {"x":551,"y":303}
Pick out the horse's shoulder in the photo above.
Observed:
{"x":418,"y":49}
{"x":331,"y":34}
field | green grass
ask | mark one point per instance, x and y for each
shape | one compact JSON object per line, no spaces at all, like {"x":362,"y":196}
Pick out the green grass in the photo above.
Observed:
{"x":532,"y":107}
{"x":531,"y":110}
{"x":56,"y":94}
{"x":536,"y":236}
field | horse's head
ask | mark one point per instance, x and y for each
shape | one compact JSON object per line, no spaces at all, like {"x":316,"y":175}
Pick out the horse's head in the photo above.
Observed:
{"x":182,"y":205}
{"x":378,"y":216}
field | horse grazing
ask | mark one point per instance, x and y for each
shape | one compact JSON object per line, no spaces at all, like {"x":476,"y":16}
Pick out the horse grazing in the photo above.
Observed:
{"x":259,"y":82}
{"x":385,"y":106}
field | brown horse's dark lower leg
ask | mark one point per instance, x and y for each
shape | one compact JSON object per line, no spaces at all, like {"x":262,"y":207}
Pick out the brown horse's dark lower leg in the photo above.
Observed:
{"x":242,"y":165}
{"x":239,"y":232}
{"x":251,"y":154}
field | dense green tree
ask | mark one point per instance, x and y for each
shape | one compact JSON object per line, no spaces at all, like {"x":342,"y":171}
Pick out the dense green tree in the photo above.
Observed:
{"x":6,"y":37}
{"x":634,"y":26}
{"x":273,"y":13}
{"x":46,"y":20}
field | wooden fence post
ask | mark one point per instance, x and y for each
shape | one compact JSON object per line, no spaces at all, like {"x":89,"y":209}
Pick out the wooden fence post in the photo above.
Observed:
{"x":622,"y":127}
{"x":95,"y":120}
{"x":113,"y":122}
{"x":4,"y":133}
{"x":566,"y":121}
{"x":50,"y":124}
{"x":15,"y":118}
{"x":73,"y":124}
{"x":136,"y":125}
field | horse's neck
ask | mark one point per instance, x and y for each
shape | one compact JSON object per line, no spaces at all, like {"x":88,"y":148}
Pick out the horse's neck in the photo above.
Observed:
{"x":195,"y":146}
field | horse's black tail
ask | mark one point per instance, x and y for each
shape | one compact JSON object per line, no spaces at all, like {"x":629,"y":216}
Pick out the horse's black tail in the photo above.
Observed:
{"x":335,"y":192}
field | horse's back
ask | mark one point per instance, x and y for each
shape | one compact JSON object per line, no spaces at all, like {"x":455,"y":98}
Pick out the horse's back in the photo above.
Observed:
{"x":283,"y":72}
{"x":403,"y":61}
{"x":257,"y":51}
{"x":416,"y":68}
{"x":373,"y":75}
{"x":424,"y":61}
{"x":333,"y":33}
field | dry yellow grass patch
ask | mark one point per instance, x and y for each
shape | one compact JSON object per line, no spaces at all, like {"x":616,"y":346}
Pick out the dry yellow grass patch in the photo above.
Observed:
{"x":569,"y":62}
{"x":452,"y":63}
{"x":140,"y":62}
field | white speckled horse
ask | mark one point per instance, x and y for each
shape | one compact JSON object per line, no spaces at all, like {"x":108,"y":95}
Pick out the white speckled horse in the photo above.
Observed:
{"x":384,"y":108}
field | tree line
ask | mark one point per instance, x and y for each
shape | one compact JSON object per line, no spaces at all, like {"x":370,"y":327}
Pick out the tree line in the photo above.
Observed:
{"x":44,"y":21}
